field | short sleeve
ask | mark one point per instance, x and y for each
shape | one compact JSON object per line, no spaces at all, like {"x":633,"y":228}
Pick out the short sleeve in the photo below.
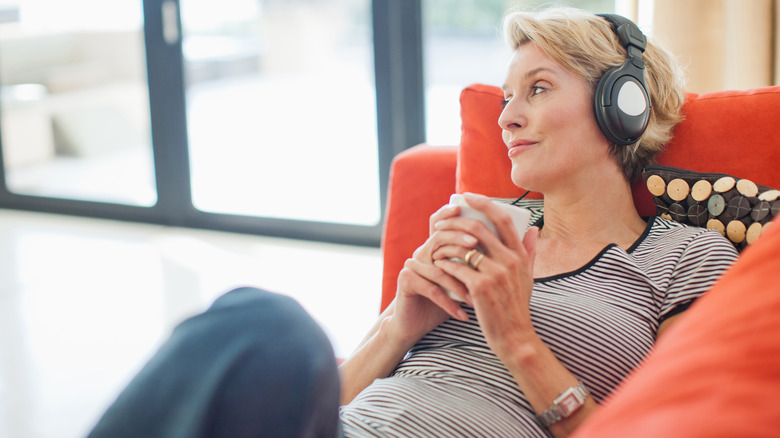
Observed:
{"x":706,"y":256}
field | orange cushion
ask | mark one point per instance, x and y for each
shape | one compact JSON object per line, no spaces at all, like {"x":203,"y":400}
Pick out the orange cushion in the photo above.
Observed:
{"x":716,"y":373}
{"x":727,"y":132}
{"x":422,"y":179}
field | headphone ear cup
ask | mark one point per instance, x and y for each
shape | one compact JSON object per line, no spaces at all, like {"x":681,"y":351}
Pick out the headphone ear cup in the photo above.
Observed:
{"x":622,"y":105}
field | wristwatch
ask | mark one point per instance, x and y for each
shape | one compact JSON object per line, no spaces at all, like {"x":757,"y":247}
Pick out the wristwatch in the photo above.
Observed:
{"x":564,"y":406}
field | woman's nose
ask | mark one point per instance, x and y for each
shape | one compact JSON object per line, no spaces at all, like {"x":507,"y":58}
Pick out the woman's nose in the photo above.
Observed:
{"x":511,"y":116}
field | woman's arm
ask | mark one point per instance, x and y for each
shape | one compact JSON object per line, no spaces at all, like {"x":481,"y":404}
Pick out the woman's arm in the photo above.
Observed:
{"x":415,"y":311}
{"x":420,"y":305}
{"x":667,"y":323}
{"x":376,"y":357}
{"x":543,"y":378}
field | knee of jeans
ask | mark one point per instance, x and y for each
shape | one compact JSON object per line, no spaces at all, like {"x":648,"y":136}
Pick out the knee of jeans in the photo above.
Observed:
{"x":282,"y":356}
{"x":243,"y":296}
{"x":272,"y":320}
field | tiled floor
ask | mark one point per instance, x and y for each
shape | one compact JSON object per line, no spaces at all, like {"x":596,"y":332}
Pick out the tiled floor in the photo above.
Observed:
{"x":84,"y":302}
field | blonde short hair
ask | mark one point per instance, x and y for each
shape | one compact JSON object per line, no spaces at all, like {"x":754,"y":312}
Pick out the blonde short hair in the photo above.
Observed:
{"x":586,"y":45}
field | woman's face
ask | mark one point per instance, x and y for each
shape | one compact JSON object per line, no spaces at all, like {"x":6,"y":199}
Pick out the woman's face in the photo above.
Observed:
{"x":548,"y":124}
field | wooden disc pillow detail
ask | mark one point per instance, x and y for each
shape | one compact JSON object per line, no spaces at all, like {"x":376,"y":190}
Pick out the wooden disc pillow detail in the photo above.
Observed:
{"x":737,"y":208}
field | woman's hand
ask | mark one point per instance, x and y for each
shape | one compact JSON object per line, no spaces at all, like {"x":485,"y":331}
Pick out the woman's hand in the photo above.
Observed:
{"x":421,"y":302}
{"x":500,"y":287}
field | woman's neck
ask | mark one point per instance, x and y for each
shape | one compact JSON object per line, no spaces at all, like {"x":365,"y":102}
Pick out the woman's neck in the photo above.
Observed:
{"x":602,"y":212}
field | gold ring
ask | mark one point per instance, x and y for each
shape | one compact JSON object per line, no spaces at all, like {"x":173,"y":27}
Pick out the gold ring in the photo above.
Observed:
{"x":469,"y":255}
{"x":476,"y":262}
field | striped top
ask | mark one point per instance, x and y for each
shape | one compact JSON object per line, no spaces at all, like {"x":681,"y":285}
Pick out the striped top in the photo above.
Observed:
{"x":600,"y":321}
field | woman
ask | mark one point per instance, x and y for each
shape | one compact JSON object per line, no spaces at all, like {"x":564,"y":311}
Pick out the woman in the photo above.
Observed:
{"x":579,"y":301}
{"x":549,"y":324}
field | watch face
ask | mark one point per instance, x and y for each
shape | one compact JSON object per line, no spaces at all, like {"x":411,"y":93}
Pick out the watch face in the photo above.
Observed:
{"x":565,"y":405}
{"x":570,"y":403}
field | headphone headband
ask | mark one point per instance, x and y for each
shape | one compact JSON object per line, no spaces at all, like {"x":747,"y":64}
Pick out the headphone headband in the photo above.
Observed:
{"x":629,"y":37}
{"x":628,"y":33}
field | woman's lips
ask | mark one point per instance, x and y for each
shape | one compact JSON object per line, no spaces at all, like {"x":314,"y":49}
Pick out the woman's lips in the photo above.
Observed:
{"x":518,"y":146}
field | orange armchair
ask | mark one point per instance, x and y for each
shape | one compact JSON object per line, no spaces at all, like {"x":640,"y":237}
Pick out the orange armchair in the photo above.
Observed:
{"x":731,"y":132}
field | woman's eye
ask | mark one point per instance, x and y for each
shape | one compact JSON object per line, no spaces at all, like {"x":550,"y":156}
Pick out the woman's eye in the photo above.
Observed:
{"x":537,"y":89}
{"x":505,"y":102}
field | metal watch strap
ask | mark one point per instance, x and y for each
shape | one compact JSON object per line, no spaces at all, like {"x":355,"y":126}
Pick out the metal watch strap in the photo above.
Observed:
{"x":564,"y":406}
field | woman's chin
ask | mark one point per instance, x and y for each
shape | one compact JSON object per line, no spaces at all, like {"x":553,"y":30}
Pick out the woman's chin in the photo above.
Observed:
{"x":521,"y":178}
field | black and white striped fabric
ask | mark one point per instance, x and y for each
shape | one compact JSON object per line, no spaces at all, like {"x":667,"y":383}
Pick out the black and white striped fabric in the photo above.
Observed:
{"x":600,"y":321}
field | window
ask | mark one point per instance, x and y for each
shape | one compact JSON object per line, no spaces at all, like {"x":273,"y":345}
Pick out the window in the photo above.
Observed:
{"x":75,"y":104}
{"x":281,"y":109}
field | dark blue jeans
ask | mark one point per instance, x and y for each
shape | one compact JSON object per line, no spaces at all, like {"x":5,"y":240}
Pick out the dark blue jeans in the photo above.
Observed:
{"x":254,"y":364}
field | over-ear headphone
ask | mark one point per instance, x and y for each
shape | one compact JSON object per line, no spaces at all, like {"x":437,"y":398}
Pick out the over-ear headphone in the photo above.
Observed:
{"x":621,"y":101}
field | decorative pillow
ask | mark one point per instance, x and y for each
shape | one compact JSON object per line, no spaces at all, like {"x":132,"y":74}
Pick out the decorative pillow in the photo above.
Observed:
{"x":737,"y":208}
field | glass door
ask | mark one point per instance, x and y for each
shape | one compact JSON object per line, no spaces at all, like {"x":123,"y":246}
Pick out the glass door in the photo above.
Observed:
{"x":281,"y":112}
{"x":74,"y":101}
{"x":274,"y":117}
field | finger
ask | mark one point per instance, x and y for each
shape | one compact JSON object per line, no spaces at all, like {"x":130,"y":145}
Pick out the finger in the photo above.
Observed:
{"x":464,"y":225}
{"x":446,"y":211}
{"x":414,"y":284}
{"x":454,"y":238}
{"x":440,"y":239}
{"x":486,"y":239}
{"x":462,"y":272}
{"x":437,"y":277}
{"x":442,"y":282}
{"x":450,"y":252}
